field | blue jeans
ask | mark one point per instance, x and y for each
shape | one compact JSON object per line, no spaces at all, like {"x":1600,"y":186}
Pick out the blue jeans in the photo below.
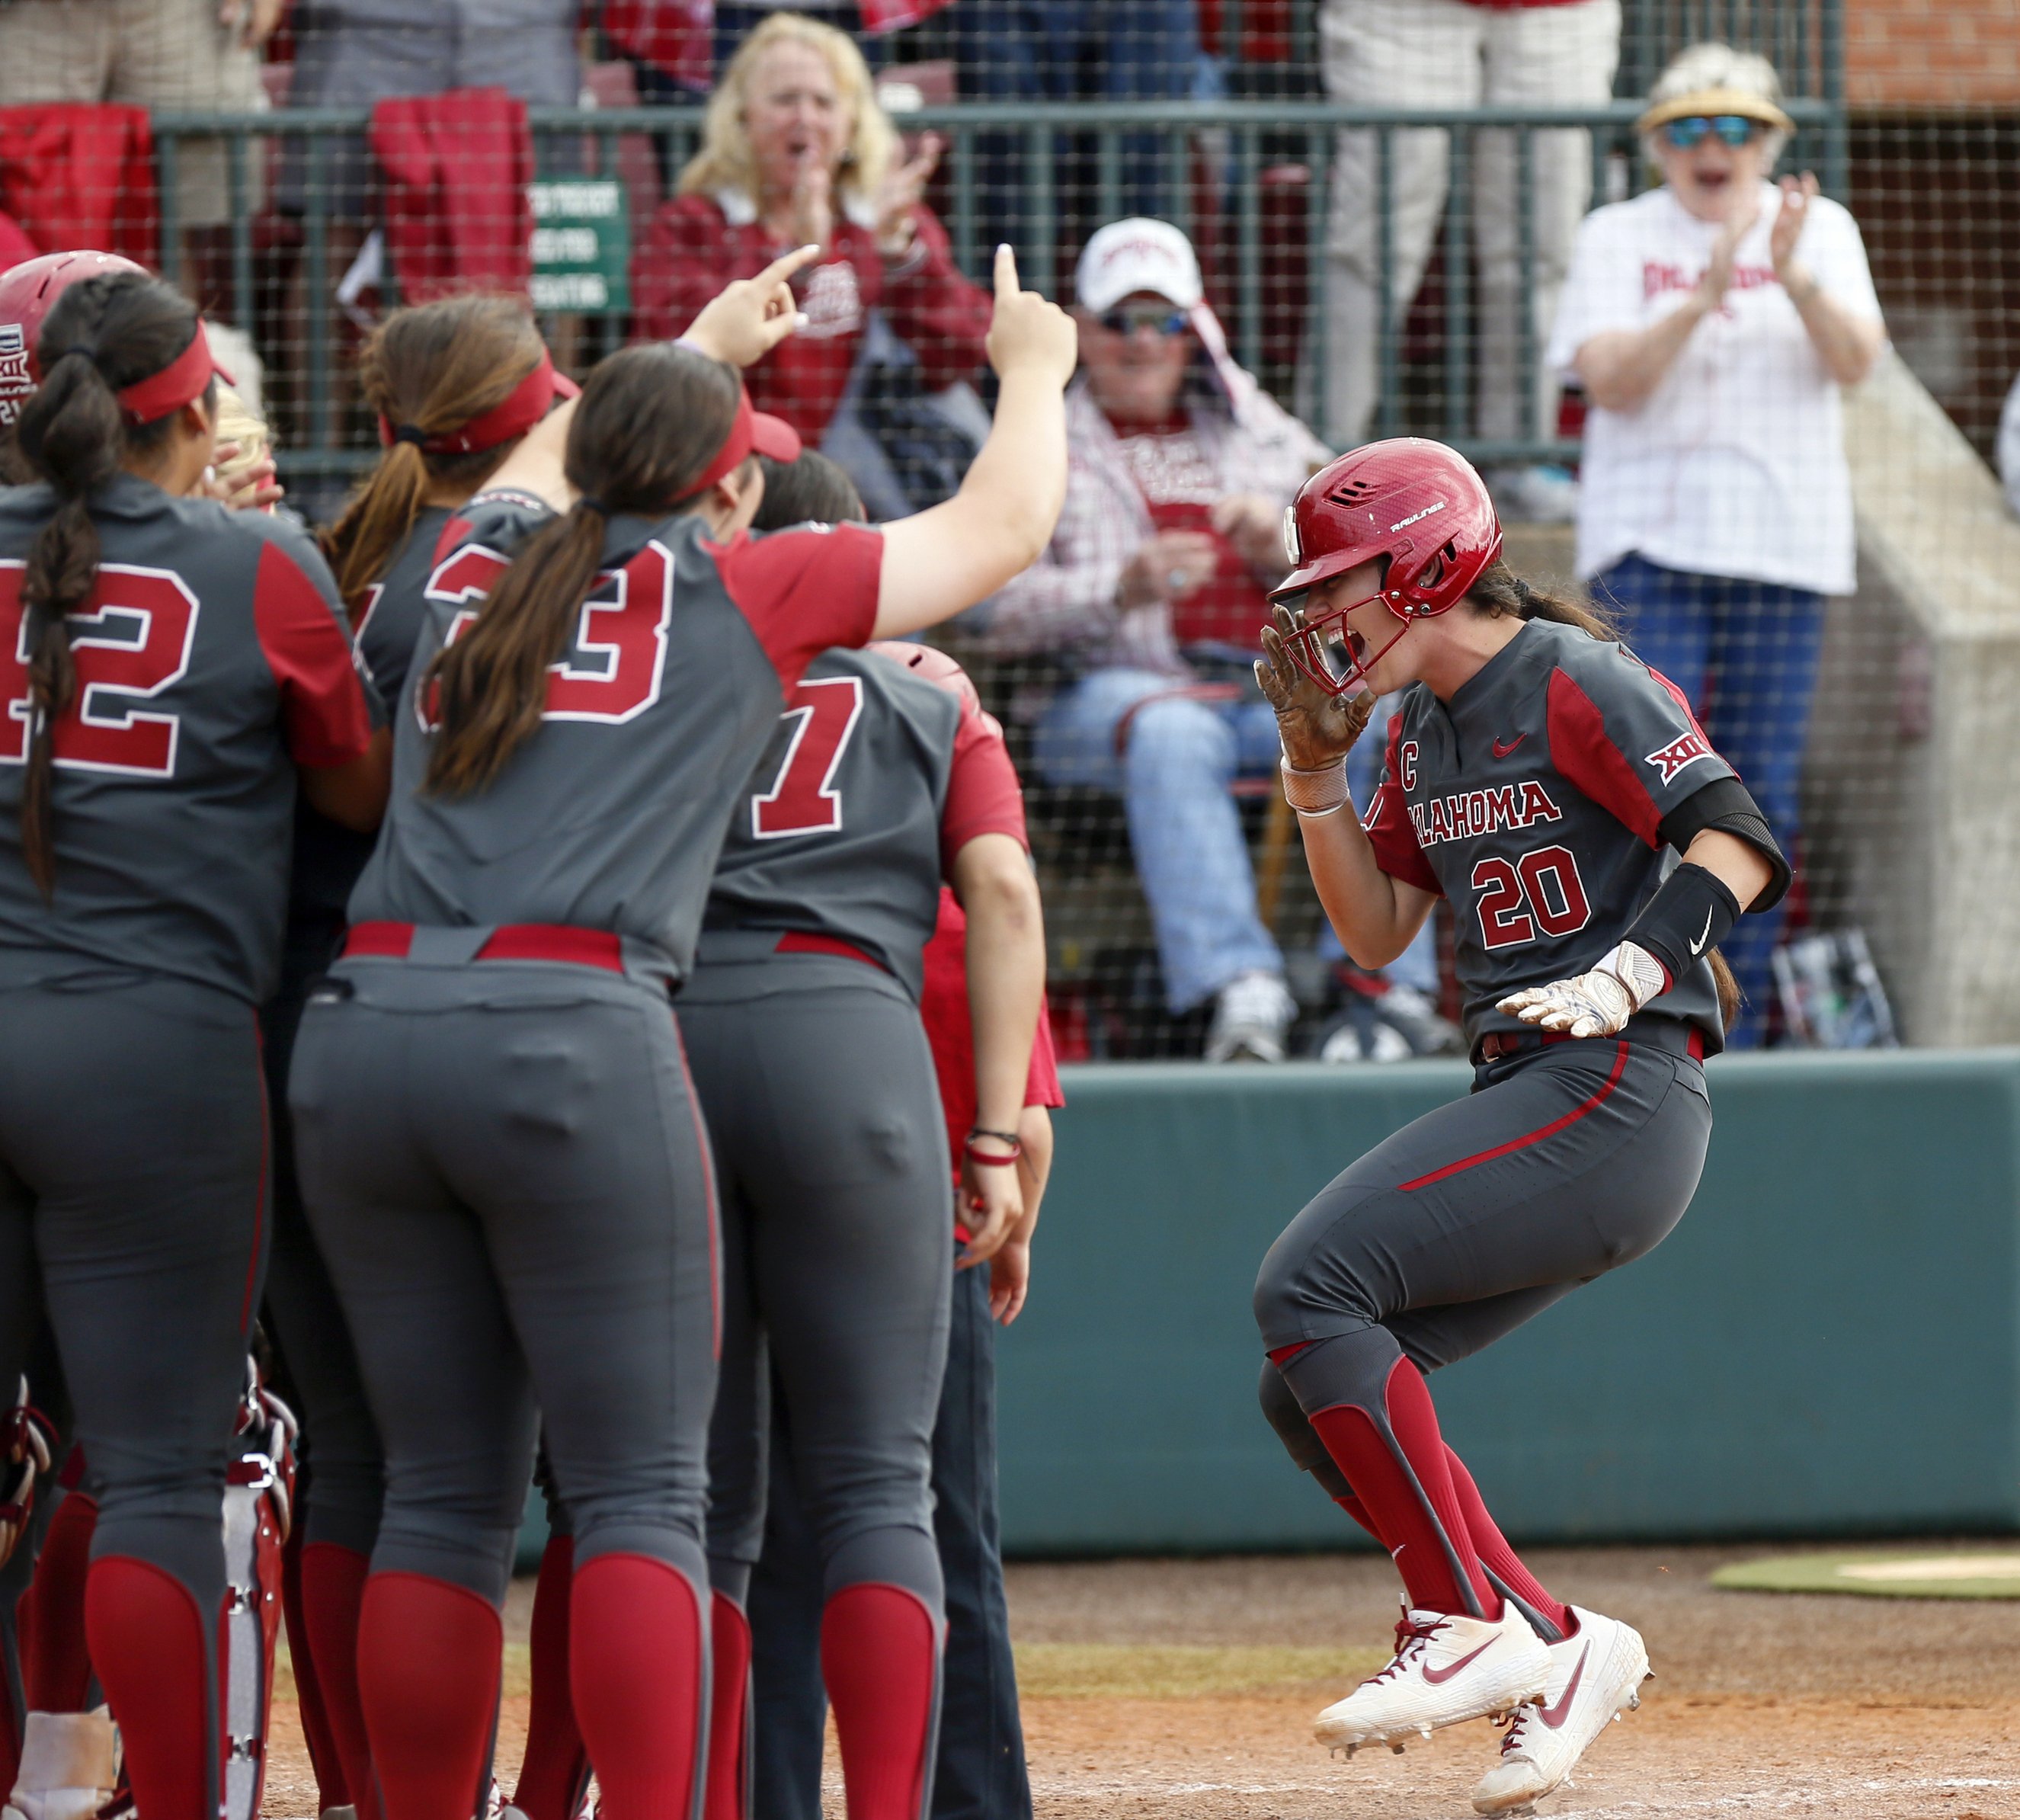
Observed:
{"x":1071,"y":50}
{"x":1746,"y":654}
{"x":979,"y":1773}
{"x":1178,"y":758}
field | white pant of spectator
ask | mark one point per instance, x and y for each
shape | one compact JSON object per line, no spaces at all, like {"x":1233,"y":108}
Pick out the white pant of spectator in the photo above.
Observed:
{"x":1449,"y":53}
{"x":1177,"y":757}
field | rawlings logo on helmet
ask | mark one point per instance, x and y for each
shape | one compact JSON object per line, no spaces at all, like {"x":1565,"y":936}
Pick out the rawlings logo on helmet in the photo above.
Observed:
{"x":16,"y":380}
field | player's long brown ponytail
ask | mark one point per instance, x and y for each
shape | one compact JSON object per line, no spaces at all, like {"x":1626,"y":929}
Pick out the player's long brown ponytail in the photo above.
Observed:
{"x":649,"y":423}
{"x":103,"y":334}
{"x":434,"y":366}
{"x":1499,"y":592}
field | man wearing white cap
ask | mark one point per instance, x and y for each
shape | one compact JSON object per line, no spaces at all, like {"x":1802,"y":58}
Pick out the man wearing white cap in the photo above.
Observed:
{"x":1152,"y":591}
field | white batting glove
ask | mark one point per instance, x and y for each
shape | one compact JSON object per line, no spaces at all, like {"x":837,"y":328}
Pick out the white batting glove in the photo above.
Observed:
{"x":1595,"y":1004}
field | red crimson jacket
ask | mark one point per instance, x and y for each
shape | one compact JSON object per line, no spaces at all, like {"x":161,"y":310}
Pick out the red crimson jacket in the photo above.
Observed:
{"x":698,"y":244}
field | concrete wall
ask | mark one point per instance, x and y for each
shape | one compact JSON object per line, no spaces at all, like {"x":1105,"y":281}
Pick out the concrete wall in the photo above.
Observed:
{"x":1830,"y":1341}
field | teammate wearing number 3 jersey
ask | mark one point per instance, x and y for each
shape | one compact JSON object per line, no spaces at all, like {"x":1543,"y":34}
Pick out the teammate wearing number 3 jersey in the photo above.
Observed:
{"x":168,"y":671}
{"x":497,"y":1141}
{"x":1594,"y":848}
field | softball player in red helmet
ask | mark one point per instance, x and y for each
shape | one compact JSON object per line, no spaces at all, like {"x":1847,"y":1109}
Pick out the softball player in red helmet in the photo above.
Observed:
{"x":499,"y":1150}
{"x":168,"y":671}
{"x":1594,"y":848}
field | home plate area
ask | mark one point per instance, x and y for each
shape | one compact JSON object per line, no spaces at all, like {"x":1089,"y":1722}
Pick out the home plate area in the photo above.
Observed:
{"x":1185,"y":1690}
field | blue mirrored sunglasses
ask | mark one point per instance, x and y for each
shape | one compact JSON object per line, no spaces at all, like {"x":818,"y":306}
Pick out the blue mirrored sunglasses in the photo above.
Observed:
{"x":1127,"y":318}
{"x":1735,"y":129}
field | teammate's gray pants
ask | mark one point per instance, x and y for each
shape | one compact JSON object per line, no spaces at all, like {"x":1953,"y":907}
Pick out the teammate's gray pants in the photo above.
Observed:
{"x":818,"y":1084}
{"x":504,"y":1166}
{"x":133,"y":1144}
{"x":1567,"y":1161}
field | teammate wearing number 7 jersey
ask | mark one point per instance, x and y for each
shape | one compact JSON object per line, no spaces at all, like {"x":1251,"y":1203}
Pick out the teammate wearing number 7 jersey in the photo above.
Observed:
{"x":497,"y":1141}
{"x":168,"y":670}
{"x":1594,"y":848}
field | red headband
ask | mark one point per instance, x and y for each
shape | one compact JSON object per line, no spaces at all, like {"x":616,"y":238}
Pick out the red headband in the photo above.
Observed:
{"x":513,"y":415}
{"x":182,"y":381}
{"x":750,"y":432}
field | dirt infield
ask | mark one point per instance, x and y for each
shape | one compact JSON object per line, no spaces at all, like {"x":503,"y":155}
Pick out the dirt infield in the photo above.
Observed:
{"x":1185,"y":1690}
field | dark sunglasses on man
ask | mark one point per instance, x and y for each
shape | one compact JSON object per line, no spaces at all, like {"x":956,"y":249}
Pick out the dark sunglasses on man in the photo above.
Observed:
{"x":1735,"y":129}
{"x":1127,"y":318}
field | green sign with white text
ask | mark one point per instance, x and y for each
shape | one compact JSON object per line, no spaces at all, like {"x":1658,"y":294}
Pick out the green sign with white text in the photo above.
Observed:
{"x":582,"y":245}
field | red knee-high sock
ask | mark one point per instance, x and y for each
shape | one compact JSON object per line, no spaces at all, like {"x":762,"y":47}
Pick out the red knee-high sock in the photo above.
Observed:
{"x":147,"y":1637}
{"x":1407,"y":1490}
{"x":728,"y":1713}
{"x":55,"y":1660}
{"x":638,"y":1669}
{"x":324,"y":1758}
{"x":555,"y":1769}
{"x":428,"y":1654}
{"x":1501,"y":1560}
{"x":332,"y":1601}
{"x":881,"y":1658}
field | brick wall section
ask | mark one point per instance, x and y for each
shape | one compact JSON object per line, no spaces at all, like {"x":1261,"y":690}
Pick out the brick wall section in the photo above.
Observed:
{"x":1932,"y":53}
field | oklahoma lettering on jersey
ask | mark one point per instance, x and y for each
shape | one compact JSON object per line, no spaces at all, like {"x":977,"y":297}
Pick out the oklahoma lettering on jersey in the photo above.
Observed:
{"x":1533,"y":801}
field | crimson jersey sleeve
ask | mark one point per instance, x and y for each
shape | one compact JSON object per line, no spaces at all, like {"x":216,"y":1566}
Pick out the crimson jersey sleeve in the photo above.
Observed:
{"x":805,"y":590}
{"x":1626,"y":735}
{"x":325,"y":712}
{"x":1390,"y":832}
{"x":984,"y":795}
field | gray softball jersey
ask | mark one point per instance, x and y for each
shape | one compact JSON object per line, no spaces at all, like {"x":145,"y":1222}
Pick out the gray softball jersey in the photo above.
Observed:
{"x":212,"y":659}
{"x":1532,"y":801}
{"x":875,"y":780}
{"x":613,"y":815}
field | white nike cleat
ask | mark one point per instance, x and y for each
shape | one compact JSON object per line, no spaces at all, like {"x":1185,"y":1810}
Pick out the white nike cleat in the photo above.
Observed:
{"x":1446,"y":1670}
{"x":1594,"y":1674}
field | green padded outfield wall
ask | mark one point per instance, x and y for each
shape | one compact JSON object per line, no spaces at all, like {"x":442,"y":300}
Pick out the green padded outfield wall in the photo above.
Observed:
{"x":1829,"y":1342}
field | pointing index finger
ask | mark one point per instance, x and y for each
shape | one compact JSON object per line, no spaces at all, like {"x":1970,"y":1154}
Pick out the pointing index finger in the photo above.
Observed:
{"x":780,"y":270}
{"x":1006,"y":272}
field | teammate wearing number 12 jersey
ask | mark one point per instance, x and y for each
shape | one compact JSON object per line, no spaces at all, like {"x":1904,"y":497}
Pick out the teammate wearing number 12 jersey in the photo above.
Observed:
{"x":168,"y":671}
{"x":1594,"y":848}
{"x":497,"y":1144}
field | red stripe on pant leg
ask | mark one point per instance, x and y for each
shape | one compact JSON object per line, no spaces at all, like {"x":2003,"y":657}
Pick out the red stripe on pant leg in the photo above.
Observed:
{"x":55,"y":1660}
{"x":333,"y":1581}
{"x":1497,"y":1557}
{"x":1280,"y":1356}
{"x":325,"y":1758}
{"x":880,"y":1657}
{"x":1408,"y":1491}
{"x":728,"y":1713}
{"x":147,"y":1638}
{"x":556,"y":1766}
{"x":1598,"y":1097}
{"x":637,"y":1662}
{"x":429,"y":1655}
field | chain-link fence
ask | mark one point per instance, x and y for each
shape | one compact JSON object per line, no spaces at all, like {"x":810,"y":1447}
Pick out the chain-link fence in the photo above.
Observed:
{"x":1393,"y":216}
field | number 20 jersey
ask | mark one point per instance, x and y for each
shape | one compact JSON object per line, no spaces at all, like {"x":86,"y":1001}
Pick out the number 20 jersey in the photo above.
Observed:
{"x":612,"y":814}
{"x":1532,"y":801}
{"x":212,"y":653}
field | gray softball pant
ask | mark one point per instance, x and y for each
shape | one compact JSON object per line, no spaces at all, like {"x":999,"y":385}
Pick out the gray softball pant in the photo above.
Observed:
{"x":818,"y":1088}
{"x":505,"y":1168}
{"x":1567,"y":1160}
{"x":132,"y":1165}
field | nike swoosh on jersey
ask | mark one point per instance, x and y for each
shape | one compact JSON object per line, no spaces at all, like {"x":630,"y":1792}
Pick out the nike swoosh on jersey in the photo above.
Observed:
{"x":1437,"y":1677}
{"x":1697,"y":946}
{"x":1502,"y":752}
{"x":1554,"y":1716}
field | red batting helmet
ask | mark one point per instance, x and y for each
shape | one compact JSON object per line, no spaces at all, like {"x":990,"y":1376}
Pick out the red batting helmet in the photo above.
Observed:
{"x":27,"y":293}
{"x":932,"y":666}
{"x":1413,"y":502}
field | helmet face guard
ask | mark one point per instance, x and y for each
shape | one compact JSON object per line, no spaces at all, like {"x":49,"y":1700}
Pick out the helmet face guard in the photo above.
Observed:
{"x":1332,"y":654}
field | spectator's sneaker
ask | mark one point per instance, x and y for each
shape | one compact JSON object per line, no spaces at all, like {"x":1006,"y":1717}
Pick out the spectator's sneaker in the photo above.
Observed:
{"x":1359,"y":1033}
{"x":1446,"y":1670}
{"x":1536,"y":496}
{"x":1250,"y":1019}
{"x":1405,"y":1009}
{"x":1595,"y":1674}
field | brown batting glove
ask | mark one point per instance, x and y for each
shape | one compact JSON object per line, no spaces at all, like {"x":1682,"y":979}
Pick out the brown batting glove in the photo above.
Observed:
{"x":1316,"y":730}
